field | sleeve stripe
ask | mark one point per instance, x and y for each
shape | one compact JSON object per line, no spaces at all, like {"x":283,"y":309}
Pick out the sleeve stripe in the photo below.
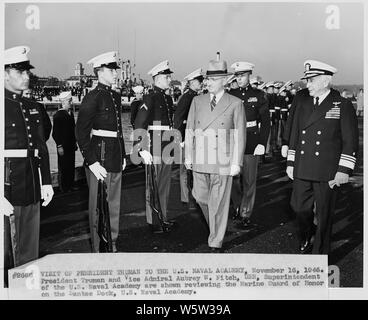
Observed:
{"x":347,"y":157}
{"x":346,"y":164}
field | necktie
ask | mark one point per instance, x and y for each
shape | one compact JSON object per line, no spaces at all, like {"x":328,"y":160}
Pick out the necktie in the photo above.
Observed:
{"x":213,"y":103}
{"x":316,"y":103}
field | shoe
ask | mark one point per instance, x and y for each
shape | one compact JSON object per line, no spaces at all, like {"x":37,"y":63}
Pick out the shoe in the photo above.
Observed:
{"x":306,"y":246}
{"x":245,"y":223}
{"x":215,"y":250}
{"x":171,"y":222}
{"x":158,"y":229}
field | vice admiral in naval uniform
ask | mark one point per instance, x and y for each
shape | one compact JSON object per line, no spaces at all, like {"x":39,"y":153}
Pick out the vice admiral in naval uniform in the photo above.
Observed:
{"x":99,"y":119}
{"x":258,"y":128}
{"x":28,"y":178}
{"x":156,"y":116}
{"x":195,"y":84}
{"x":322,"y":154}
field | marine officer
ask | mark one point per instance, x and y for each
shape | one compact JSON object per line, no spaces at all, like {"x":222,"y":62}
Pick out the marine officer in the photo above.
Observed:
{"x":99,"y":120}
{"x":155,"y":120}
{"x":28,"y":178}
{"x":195,"y":83}
{"x":258,"y":129}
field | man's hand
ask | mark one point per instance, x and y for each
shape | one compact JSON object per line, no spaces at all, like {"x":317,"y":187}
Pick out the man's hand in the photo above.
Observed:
{"x":341,"y":178}
{"x":182,"y":144}
{"x":46,"y":194}
{"x":6,"y":207}
{"x":259,"y":150}
{"x":234,"y":170}
{"x":98,"y":170}
{"x":284,"y":151}
{"x":146,"y":156}
{"x":188,"y":165}
{"x":60,"y":151}
{"x":290,"y":172}
{"x":124,"y":164}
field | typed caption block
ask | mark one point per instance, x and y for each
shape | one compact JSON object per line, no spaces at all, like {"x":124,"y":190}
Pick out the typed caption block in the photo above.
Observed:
{"x":171,"y":276}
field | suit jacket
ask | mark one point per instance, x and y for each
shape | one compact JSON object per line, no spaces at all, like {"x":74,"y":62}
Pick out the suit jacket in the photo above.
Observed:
{"x":325,"y":140}
{"x":256,"y":109}
{"x":210,"y":144}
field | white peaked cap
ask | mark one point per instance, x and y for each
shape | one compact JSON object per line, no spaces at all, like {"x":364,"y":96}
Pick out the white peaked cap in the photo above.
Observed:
{"x":195,"y":74}
{"x":161,"y":68}
{"x":109,"y":59}
{"x":313,"y":68}
{"x":242,"y":66}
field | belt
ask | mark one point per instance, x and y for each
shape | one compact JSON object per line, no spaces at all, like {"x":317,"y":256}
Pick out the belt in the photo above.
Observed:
{"x":284,"y":109}
{"x":277,"y":108}
{"x":104,"y":133}
{"x":271,"y":110}
{"x":161,"y":128}
{"x":251,"y":124}
{"x":20,"y":153}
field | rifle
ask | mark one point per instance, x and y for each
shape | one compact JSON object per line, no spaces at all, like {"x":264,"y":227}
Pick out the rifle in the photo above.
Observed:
{"x":104,"y":227}
{"x":190,"y":179}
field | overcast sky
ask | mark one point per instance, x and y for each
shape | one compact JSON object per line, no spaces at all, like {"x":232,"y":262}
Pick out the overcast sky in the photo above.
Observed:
{"x":276,"y":37}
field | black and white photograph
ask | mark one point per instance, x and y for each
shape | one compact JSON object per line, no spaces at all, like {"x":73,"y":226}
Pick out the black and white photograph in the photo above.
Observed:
{"x":194,"y":132}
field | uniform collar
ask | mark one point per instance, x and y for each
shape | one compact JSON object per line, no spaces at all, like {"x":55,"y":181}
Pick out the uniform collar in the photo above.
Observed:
{"x":12,"y":95}
{"x":246,"y":88}
{"x":104,"y":86}
{"x":157,"y":89}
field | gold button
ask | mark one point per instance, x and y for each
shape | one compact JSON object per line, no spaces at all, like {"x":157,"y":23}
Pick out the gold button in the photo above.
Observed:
{"x":317,"y":143}
{"x":318,"y":132}
{"x":317,"y":153}
{"x":302,"y":152}
{"x":303,"y":142}
{"x":303,"y":132}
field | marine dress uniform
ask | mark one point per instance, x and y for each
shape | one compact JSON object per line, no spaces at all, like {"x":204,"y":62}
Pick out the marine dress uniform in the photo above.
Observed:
{"x":155,"y":117}
{"x":27,"y":162}
{"x":180,"y":123}
{"x":323,"y":142}
{"x":258,"y":129}
{"x":99,"y":120}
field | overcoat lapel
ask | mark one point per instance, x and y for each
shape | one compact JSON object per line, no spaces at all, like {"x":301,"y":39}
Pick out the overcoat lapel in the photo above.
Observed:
{"x":220,"y":108}
{"x":320,"y":110}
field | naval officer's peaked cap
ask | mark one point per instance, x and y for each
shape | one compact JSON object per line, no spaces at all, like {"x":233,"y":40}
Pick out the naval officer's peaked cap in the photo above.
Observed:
{"x":313,"y":68}
{"x":194,"y":75}
{"x":17,"y":58}
{"x":161,"y":68}
{"x":107,"y":59}
{"x":242,"y":67}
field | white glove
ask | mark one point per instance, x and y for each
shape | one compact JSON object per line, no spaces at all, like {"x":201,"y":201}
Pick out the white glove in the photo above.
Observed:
{"x":284,"y":151}
{"x":98,"y":170}
{"x":46,"y":194}
{"x":124,"y":164}
{"x":6,"y":206}
{"x":182,"y":144}
{"x":188,"y":165}
{"x":147,"y":157}
{"x":290,"y":172}
{"x":341,"y":178}
{"x":234,"y":170}
{"x":259,"y":150}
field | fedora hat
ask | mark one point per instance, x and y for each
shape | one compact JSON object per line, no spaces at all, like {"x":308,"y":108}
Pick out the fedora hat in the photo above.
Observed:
{"x":217,"y":69}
